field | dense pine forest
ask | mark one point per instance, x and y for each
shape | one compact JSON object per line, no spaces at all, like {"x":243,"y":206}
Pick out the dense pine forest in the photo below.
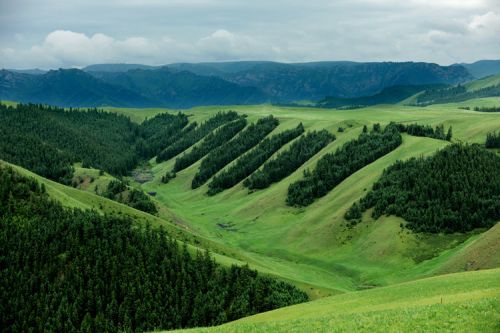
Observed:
{"x":289,"y":160}
{"x":195,"y":135}
{"x":249,"y":162}
{"x":211,"y":141}
{"x":68,"y":270}
{"x":49,"y":140}
{"x":119,"y":191}
{"x":159,"y":132}
{"x":427,"y":131}
{"x":223,"y":155}
{"x":457,"y":189}
{"x":335,"y":167}
{"x":493,"y":140}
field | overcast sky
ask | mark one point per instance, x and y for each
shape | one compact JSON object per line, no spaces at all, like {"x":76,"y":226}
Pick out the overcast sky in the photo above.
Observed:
{"x":66,"y":33}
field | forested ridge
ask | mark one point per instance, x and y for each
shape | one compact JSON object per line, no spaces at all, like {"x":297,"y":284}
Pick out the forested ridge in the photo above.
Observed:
{"x":49,"y":140}
{"x":455,"y":190}
{"x":195,"y":135}
{"x":64,"y":270}
{"x":223,"y":155}
{"x":252,"y":160}
{"x":289,"y":160}
{"x":333,"y":168}
{"x":455,"y":94}
{"x":159,"y":132}
{"x":119,"y":191}
{"x":426,"y":131}
{"x":211,"y":141}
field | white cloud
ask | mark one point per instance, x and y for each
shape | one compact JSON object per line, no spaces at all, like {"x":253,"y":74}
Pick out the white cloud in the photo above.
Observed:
{"x":65,"y":34}
{"x":64,"y":48}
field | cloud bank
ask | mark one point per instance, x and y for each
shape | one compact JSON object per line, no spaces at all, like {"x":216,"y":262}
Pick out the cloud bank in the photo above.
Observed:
{"x":75,"y":34}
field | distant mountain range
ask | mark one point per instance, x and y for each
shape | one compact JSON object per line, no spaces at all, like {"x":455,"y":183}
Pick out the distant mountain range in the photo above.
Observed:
{"x":483,"y":68}
{"x":185,"y":85}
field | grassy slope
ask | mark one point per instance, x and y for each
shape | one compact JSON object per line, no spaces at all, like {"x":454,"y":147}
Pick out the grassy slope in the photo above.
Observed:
{"x":313,"y":247}
{"x":488,"y":81}
{"x":462,"y":302}
{"x":75,"y":198}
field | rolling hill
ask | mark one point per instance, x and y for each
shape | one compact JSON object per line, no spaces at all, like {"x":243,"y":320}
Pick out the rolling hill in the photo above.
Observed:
{"x":313,"y":247}
{"x":314,"y":81}
{"x":182,"y":89}
{"x":68,"y":88}
{"x":482,"y":88}
{"x":483,"y":68}
{"x":186,"y":85}
{"x":390,"y":95}
{"x":453,"y":303}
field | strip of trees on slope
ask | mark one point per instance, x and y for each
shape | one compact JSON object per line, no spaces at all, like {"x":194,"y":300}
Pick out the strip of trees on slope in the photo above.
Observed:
{"x":223,"y":155}
{"x":249,"y":162}
{"x":333,"y":168}
{"x":211,"y":141}
{"x":186,"y":141}
{"x":289,"y":160}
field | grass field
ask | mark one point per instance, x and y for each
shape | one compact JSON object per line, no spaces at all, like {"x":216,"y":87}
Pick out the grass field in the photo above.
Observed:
{"x":488,"y":81}
{"x":461,"y":302}
{"x":313,"y":247}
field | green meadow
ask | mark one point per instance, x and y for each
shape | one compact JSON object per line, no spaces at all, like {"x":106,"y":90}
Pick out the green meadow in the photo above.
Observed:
{"x":314,"y":247}
{"x":373,"y":276}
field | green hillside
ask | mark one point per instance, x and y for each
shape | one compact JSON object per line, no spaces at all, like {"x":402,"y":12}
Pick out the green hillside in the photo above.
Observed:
{"x":488,"y":81}
{"x":462,"y":302}
{"x":482,"y":88}
{"x":314,"y":247}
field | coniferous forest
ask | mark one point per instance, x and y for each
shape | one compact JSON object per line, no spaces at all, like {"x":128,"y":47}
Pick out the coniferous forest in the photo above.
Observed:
{"x":427,"y":131}
{"x":104,"y":274}
{"x":49,"y":140}
{"x":249,"y":162}
{"x":211,"y":141}
{"x":455,"y":94}
{"x":289,"y":160}
{"x":221,"y":156}
{"x":335,"y":167}
{"x":195,"y":135}
{"x":119,"y":191}
{"x":455,"y":190}
{"x":493,"y":140}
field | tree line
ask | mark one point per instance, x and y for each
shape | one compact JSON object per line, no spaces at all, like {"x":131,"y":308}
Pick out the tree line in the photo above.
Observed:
{"x":288,"y":161}
{"x":49,"y":140}
{"x":120,"y":192}
{"x":426,"y":131}
{"x":492,"y":140}
{"x":455,"y":94}
{"x":482,"y":108}
{"x":333,"y":168}
{"x":211,"y":141}
{"x":223,"y":155}
{"x":159,"y":132}
{"x":455,"y":190}
{"x":68,"y":270}
{"x":252,"y":160}
{"x":195,"y":135}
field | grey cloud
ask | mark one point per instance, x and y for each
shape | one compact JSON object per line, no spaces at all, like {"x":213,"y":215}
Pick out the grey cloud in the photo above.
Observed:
{"x":56,"y":33}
